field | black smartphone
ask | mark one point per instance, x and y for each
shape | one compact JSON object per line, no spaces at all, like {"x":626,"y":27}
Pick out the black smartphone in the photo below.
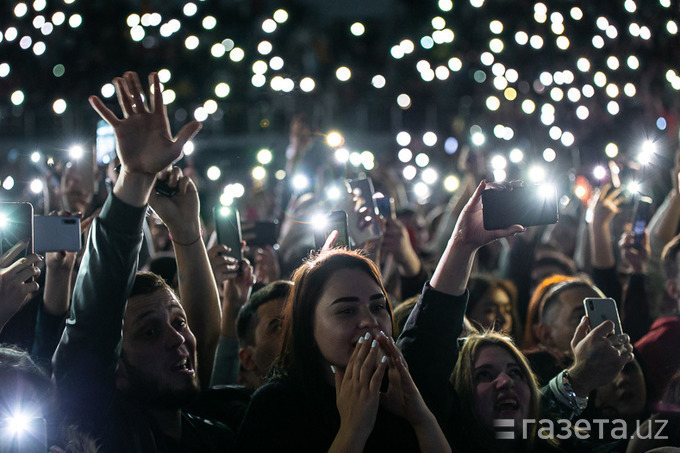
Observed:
{"x":16,"y":224}
{"x":259,"y":233}
{"x":337,"y":220}
{"x":228,"y":228}
{"x":600,"y":310}
{"x":523,"y":205}
{"x":362,"y":229}
{"x":640,"y":219}
{"x":386,"y":207}
{"x":19,"y":435}
{"x":55,"y":233}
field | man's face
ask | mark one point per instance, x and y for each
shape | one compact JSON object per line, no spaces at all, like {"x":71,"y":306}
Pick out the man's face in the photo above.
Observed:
{"x":267,"y":335}
{"x":565,"y":315}
{"x":75,"y":195}
{"x":158,"y":360}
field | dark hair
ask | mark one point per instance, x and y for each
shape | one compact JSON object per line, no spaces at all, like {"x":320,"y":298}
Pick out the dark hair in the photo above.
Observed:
{"x":247,"y":316}
{"x":300,"y":359}
{"x":17,"y":362}
{"x":544,"y":298}
{"x":669,"y":257}
{"x":479,"y":285}
{"x":148,"y":283}
{"x":402,"y":312}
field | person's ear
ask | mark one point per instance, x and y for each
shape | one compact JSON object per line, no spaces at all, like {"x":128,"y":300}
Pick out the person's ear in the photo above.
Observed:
{"x":247,"y":357}
{"x":673,"y":289}
{"x":543,"y":333}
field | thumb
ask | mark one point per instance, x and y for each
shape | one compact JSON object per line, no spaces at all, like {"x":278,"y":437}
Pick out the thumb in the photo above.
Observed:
{"x":7,"y":258}
{"x":187,"y":133}
{"x":580,"y":332}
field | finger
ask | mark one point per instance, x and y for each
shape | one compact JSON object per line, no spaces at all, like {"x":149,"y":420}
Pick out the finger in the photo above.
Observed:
{"x":338,"y":374}
{"x":378,"y":374}
{"x":27,"y":273}
{"x":187,"y":133}
{"x":157,"y":95}
{"x":330,"y":240}
{"x":124,"y":96}
{"x":103,"y":111}
{"x":353,"y":358}
{"x":185,"y":184}
{"x":369,"y":365}
{"x":9,"y":256}
{"x":173,"y":176}
{"x":604,"y":330}
{"x":136,"y":91}
{"x":29,"y":288}
{"x":476,"y":198}
{"x":580,"y":332}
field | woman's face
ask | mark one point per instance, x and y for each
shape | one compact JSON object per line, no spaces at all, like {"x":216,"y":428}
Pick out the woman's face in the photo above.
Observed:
{"x":501,"y":390}
{"x":625,"y":396}
{"x":351,"y":304}
{"x":493,"y":310}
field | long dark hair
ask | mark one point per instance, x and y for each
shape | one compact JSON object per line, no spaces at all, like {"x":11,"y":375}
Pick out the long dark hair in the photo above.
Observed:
{"x":300,"y":359}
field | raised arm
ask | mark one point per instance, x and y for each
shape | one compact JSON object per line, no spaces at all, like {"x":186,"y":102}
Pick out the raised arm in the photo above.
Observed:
{"x":86,"y":359}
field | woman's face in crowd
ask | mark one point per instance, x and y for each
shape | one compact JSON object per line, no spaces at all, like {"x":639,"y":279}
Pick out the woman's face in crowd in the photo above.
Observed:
{"x":501,"y":390}
{"x":351,"y":304}
{"x":493,"y":310}
{"x":625,"y":396}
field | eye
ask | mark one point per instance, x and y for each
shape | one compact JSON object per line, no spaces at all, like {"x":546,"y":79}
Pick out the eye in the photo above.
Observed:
{"x":483,"y":376}
{"x":150,"y":333}
{"x":346,"y":311}
{"x":179,"y":324}
{"x":377,"y":308}
{"x":516,"y":373}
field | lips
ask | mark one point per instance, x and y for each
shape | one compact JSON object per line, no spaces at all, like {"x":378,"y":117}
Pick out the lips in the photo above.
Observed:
{"x":506,"y":403}
{"x":183,"y":366}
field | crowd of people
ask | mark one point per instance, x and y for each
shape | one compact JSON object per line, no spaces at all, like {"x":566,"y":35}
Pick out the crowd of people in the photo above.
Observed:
{"x":437,"y":336}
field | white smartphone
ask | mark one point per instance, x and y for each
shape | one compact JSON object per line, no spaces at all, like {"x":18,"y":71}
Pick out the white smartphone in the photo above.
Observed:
{"x":600,"y":310}
{"x":55,"y":233}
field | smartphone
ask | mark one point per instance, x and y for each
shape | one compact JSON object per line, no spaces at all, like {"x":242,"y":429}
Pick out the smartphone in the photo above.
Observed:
{"x":23,"y":436}
{"x":16,"y":224}
{"x":600,"y":310}
{"x":361,"y":228}
{"x":260,"y":234}
{"x":228,"y":228}
{"x":55,"y":233}
{"x":642,"y":206}
{"x":105,"y":143}
{"x":386,"y":207}
{"x":523,"y":205}
{"x":337,"y":220}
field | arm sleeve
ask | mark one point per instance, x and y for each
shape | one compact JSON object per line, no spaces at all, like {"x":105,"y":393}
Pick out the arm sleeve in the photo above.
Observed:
{"x":226,"y":367}
{"x":48,"y":331}
{"x":429,"y":343}
{"x":86,"y":358}
{"x":608,"y":281}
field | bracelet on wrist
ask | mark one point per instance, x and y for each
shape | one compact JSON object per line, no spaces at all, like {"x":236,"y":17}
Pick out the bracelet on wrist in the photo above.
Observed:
{"x":186,"y":244}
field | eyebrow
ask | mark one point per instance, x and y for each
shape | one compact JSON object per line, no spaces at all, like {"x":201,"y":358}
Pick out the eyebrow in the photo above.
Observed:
{"x":356,"y":299}
{"x":149,"y":314}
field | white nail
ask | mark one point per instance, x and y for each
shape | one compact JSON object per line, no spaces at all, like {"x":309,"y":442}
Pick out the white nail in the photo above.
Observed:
{"x":367,"y":336}
{"x":333,"y":369}
{"x":361,"y":340}
{"x":384,"y":359}
{"x":374,"y":343}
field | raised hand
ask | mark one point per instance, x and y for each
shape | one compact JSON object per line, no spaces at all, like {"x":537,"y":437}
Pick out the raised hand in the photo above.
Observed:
{"x":635,"y":257}
{"x":599,"y":355}
{"x":267,"y":267}
{"x":397,"y":242}
{"x":470,"y":230}
{"x":180,"y":211}
{"x":143,"y":139}
{"x":606,"y":204}
{"x":16,"y":280}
